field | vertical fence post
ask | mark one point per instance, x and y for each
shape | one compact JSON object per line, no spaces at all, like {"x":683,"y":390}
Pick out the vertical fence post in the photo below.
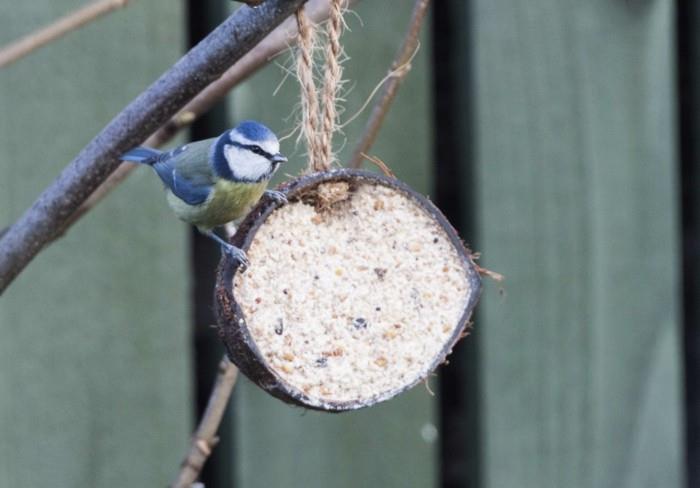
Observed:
{"x":94,"y":352}
{"x":576,"y":188}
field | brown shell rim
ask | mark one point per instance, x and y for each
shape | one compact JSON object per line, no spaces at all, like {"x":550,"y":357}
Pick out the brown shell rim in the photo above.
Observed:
{"x":234,"y":333}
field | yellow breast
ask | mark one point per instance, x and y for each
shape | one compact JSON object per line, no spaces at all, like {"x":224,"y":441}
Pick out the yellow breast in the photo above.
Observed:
{"x":227,"y":202}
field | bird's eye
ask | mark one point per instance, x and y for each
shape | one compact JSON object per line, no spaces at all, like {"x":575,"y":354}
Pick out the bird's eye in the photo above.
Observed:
{"x":257,"y":150}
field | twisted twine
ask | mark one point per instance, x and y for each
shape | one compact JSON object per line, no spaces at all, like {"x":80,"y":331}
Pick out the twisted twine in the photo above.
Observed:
{"x":319,"y":141}
{"x":331,"y":82}
{"x":309,"y":94}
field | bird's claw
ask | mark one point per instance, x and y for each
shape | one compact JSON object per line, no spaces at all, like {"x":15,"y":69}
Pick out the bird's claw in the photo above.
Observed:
{"x":277,"y":196}
{"x":236,"y":254}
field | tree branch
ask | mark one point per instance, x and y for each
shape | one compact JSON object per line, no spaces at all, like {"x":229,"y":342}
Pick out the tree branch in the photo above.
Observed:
{"x":202,"y":65}
{"x":277,"y":41}
{"x":399,"y":70}
{"x":74,"y":20}
{"x":205,"y":437}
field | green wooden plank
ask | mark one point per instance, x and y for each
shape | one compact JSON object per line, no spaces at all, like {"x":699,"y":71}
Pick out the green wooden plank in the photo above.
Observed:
{"x":390,"y":445}
{"x":94,"y":356}
{"x":576,"y":205}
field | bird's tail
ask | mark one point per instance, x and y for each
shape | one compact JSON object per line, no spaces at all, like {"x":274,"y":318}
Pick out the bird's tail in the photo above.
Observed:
{"x":143,"y":155}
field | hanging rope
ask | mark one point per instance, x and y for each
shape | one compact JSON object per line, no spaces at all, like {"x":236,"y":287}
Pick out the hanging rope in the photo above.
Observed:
{"x":333,"y":76}
{"x":319,"y":141}
{"x":309,"y":97}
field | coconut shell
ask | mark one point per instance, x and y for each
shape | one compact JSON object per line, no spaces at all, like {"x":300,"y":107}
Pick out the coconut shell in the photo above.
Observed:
{"x":233,"y":329}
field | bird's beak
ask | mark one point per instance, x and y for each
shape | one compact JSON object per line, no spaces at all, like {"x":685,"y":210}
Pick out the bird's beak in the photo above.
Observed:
{"x":278,"y":158}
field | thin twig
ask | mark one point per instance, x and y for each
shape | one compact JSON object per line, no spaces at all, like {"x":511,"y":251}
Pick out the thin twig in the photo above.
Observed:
{"x":74,"y":20}
{"x":205,"y":437}
{"x":276,"y":42}
{"x":391,"y":85}
{"x":379,"y":164}
{"x":206,"y":62}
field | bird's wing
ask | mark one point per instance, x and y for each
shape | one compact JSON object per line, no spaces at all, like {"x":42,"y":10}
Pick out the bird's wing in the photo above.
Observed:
{"x":186,"y":171}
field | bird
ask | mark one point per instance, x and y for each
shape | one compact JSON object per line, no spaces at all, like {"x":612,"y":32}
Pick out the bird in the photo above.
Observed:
{"x":215,"y":181}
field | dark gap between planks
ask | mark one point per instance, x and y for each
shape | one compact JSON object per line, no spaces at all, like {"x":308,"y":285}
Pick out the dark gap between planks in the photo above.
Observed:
{"x":454,"y":186}
{"x":688,"y":57}
{"x":202,"y":17}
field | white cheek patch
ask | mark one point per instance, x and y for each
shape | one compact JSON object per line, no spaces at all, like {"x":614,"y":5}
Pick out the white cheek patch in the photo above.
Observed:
{"x":245,"y":165}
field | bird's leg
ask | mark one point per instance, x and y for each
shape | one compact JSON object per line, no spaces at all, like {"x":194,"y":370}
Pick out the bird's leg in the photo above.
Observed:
{"x":234,"y":252}
{"x":277,"y":195}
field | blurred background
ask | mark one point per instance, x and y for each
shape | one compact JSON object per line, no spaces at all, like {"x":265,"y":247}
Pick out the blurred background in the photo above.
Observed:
{"x":560,"y":137}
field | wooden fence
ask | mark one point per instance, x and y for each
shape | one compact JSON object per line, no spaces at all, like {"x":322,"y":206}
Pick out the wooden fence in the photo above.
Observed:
{"x":556,"y":136}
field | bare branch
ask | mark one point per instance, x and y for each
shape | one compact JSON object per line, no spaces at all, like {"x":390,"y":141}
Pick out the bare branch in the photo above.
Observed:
{"x":202,"y":65}
{"x":205,"y":437}
{"x":400,"y":69}
{"x":74,"y":20}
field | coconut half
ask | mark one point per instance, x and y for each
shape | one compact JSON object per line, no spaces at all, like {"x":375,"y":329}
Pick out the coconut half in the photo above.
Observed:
{"x":357,"y":289}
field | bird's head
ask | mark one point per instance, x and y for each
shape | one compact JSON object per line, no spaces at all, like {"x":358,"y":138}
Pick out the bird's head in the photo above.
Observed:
{"x":249,"y":152}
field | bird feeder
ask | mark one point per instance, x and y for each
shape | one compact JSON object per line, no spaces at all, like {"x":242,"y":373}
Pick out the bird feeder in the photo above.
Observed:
{"x":357,"y":288}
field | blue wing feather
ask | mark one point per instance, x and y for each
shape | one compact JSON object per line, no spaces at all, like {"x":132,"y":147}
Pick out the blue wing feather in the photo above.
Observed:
{"x":184,"y":170}
{"x":143,"y":155}
{"x":192,"y":193}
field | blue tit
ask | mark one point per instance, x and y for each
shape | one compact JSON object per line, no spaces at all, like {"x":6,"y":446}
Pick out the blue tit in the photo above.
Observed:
{"x":216,"y":181}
